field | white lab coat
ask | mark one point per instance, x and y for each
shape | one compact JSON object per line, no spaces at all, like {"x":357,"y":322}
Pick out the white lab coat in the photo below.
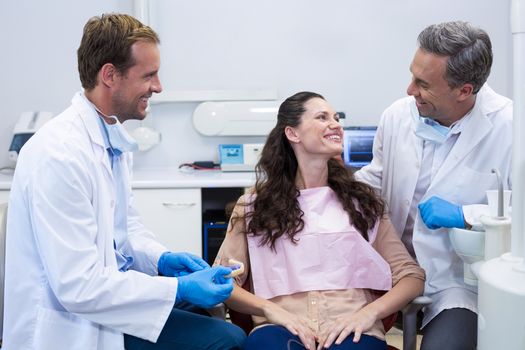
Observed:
{"x":465,"y":175}
{"x":63,"y":289}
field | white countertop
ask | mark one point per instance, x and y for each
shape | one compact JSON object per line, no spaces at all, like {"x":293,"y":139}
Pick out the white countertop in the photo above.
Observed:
{"x":173,"y":178}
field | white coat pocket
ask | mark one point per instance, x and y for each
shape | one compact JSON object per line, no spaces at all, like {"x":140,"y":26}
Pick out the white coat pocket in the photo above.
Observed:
{"x":62,"y":330}
{"x":471,"y":186}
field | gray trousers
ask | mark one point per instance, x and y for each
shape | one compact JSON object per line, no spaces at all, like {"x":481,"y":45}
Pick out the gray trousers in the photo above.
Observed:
{"x":452,"y":329}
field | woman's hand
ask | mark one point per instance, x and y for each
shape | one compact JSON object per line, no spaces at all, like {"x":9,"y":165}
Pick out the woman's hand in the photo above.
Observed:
{"x":296,"y":325}
{"x":343,"y":326}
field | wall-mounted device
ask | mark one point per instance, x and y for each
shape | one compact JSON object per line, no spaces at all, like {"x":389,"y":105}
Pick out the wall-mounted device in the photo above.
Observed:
{"x":358,"y":144}
{"x":239,"y":157}
{"x":27,"y":125}
{"x":235,"y":118}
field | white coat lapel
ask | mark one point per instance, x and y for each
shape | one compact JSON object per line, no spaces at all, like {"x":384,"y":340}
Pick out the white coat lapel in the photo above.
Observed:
{"x":403,"y":152}
{"x":90,"y":119}
{"x":416,"y":140}
{"x":417,"y":147}
{"x":105,"y":220}
{"x":473,"y":131}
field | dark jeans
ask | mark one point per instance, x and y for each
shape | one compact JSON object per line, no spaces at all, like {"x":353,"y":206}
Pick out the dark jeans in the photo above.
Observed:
{"x":188,"y":328}
{"x":452,"y":329}
{"x":279,"y":338}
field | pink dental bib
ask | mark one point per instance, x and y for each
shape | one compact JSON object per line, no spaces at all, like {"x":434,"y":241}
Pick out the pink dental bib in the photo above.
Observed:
{"x":330,"y":253}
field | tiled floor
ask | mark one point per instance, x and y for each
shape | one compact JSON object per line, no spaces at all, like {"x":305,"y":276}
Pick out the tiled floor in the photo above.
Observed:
{"x":394,"y":337}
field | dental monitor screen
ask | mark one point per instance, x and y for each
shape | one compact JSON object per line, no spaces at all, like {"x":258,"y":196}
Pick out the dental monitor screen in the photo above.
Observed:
{"x":357,"y":145}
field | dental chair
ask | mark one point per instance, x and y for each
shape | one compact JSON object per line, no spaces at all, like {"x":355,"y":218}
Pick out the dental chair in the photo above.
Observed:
{"x":409,"y":312}
{"x":3,"y":219}
{"x":410,"y":321}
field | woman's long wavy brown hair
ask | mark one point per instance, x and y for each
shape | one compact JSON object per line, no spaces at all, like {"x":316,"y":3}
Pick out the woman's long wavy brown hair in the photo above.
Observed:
{"x":276,"y":211}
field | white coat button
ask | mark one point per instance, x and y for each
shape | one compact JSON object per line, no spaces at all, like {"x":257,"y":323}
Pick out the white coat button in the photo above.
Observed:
{"x":407,"y":202}
{"x":112,"y":204}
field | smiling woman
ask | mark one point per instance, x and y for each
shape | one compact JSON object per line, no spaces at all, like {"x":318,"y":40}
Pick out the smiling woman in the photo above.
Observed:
{"x":319,"y":132}
{"x":299,"y":154}
{"x":314,"y":242}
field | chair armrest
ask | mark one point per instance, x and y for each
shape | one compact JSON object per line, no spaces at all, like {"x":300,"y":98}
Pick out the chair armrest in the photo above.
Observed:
{"x":410,"y":321}
{"x":416,"y":304}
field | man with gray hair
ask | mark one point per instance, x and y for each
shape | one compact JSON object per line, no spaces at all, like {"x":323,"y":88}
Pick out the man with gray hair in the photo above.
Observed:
{"x":433,"y":155}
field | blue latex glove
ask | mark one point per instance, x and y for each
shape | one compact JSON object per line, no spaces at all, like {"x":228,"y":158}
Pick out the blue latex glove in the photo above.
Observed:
{"x":437,"y":213}
{"x":205,"y":288}
{"x":180,"y":264}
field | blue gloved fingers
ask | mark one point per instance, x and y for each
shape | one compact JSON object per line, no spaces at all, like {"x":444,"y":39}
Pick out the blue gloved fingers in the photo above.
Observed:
{"x":424,"y":210}
{"x":201,"y":262}
{"x":201,"y":288}
{"x":437,"y":212}
{"x":161,"y":264}
{"x":182,"y":273}
{"x":223,"y":291}
{"x":429,"y":212}
{"x":220,"y":279}
{"x":191,"y":262}
{"x":460,"y":218}
{"x":179,"y":264}
{"x":220,"y":275}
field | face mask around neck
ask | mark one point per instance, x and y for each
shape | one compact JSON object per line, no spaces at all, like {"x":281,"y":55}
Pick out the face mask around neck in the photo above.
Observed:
{"x":427,"y":129}
{"x":119,"y":137}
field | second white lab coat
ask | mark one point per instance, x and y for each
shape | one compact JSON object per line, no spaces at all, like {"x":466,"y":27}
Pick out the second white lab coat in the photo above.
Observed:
{"x":485,"y":143}
{"x":63,"y":286}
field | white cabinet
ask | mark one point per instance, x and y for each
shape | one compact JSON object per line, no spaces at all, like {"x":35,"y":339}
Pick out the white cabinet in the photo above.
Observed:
{"x":4,"y":196}
{"x":174,"y":216}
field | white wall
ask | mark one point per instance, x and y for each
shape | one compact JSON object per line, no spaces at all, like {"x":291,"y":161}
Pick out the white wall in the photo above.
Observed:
{"x":38,"y":58}
{"x":356,"y":53}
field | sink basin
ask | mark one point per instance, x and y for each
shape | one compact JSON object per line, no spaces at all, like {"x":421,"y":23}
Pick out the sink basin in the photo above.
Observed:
{"x":470,"y":247}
